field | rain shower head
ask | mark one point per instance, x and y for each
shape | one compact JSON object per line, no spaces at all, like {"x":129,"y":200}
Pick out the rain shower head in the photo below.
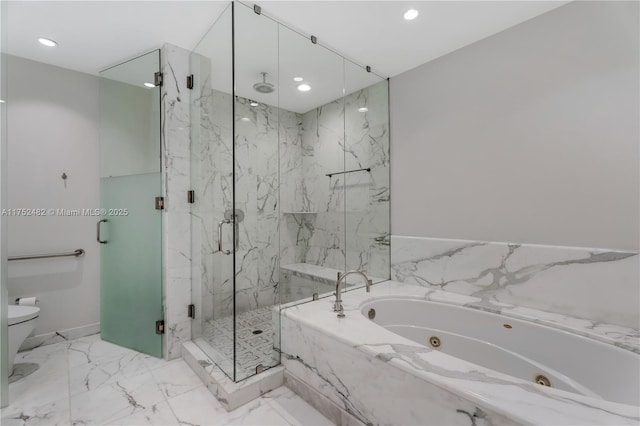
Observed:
{"x":263,"y":86}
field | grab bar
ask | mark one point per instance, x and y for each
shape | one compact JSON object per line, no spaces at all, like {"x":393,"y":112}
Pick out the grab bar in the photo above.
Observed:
{"x":75,"y":253}
{"x":348,"y":171}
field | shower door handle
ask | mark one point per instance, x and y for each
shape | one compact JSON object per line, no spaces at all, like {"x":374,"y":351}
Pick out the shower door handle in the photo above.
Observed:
{"x":101,"y":241}
{"x":222,"y":222}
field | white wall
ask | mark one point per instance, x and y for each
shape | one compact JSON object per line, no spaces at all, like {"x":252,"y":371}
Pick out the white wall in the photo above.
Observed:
{"x":530,"y":135}
{"x":53,"y":128}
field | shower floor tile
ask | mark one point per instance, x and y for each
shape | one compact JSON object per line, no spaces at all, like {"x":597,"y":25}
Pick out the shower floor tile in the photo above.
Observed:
{"x":254,"y":342}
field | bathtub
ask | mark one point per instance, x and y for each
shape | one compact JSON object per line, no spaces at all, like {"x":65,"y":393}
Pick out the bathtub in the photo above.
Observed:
{"x":524,"y":350}
{"x":409,"y":355}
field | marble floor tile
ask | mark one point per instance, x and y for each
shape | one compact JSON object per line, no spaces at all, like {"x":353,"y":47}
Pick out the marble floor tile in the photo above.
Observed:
{"x":44,"y":385}
{"x":52,"y":414}
{"x":92,"y":349}
{"x":294,"y":409}
{"x":176,"y":378}
{"x":197,"y":407}
{"x":159,"y":414}
{"x":90,"y":376}
{"x":257,"y":412}
{"x":119,"y":399}
{"x":89,"y":382}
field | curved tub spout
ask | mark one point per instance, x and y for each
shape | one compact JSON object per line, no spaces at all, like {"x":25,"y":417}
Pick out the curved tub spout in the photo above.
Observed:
{"x":337,"y":306}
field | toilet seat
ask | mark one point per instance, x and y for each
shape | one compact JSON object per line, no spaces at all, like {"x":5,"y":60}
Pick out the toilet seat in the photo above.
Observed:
{"x":18,"y":314}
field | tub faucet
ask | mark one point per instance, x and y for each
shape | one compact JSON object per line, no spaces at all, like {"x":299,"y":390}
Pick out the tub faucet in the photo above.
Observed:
{"x":337,"y":306}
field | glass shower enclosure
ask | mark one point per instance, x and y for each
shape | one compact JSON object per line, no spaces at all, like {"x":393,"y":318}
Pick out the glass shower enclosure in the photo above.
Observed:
{"x":290,"y":172}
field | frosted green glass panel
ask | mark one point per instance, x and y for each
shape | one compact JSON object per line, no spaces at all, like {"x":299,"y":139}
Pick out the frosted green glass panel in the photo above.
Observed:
{"x":130,"y":152}
{"x":131,"y":272}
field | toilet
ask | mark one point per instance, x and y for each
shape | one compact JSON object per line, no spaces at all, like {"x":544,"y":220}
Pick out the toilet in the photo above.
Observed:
{"x":22,"y":319}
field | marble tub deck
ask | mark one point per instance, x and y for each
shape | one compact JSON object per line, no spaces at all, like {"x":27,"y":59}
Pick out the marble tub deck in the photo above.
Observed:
{"x":447,"y":383}
{"x":91,"y":382}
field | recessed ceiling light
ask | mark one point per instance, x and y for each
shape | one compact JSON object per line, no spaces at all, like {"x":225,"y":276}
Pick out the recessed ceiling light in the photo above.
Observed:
{"x":298,"y":79}
{"x":304,"y":88}
{"x":1,"y":101}
{"x":411,"y":14}
{"x":47,"y":42}
{"x":253,"y":103}
{"x":245,"y":119}
{"x":149,"y":85}
{"x":363,"y":109}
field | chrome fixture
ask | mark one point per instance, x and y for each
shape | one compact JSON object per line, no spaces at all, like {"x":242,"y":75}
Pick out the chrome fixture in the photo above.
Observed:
{"x":542,"y":380}
{"x":75,"y":253}
{"x":337,"y":306}
{"x":98,"y":238}
{"x":220,"y":249}
{"x":263,"y":86}
{"x":231,"y":216}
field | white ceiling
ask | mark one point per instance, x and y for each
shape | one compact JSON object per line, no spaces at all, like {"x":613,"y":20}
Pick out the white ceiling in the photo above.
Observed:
{"x":94,"y":35}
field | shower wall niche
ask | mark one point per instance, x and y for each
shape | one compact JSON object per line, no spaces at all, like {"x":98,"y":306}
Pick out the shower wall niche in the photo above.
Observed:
{"x":269,"y":227}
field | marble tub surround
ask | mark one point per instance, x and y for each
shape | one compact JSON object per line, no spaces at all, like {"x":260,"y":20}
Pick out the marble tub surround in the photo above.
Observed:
{"x":335,"y":357}
{"x":600,"y":285}
{"x":91,"y":382}
{"x":300,"y":281}
{"x":176,"y":221}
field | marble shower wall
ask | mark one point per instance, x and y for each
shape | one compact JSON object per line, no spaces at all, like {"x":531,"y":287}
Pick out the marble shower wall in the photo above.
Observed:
{"x":293,"y":213}
{"x":175,"y":221}
{"x":594,"y":284}
{"x":267,"y":139}
{"x":258,"y":158}
{"x":341,"y":222}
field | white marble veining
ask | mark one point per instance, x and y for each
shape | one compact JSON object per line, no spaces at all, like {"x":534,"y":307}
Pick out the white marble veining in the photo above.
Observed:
{"x":155,"y":392}
{"x":176,"y":222}
{"x":281,"y":159}
{"x":336,"y":356}
{"x":602,"y":286}
{"x":346,"y":225}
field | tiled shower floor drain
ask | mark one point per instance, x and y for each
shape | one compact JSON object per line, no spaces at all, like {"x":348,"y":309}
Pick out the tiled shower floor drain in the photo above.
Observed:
{"x":254,"y":341}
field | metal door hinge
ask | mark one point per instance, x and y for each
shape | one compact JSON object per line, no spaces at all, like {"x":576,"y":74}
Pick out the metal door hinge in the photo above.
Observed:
{"x":368,"y":68}
{"x":190,"y":81}
{"x":314,"y":39}
{"x":257,"y":9}
{"x":157,"y":79}
{"x":191,"y":311}
{"x":191,"y":196}
{"x":160,"y":327}
{"x":159,"y":203}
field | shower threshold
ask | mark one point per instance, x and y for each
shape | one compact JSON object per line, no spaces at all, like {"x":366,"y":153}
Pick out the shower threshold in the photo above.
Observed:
{"x":230,"y":394}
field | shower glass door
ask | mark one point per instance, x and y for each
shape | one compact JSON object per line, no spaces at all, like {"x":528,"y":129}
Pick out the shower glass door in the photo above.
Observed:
{"x":129,"y":227}
{"x":212,"y":221}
